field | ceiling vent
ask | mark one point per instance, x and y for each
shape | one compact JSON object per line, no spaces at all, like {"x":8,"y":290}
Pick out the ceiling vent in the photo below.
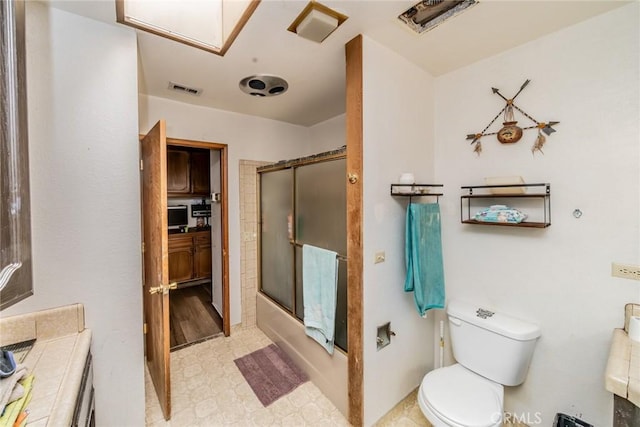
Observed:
{"x":263,"y":85}
{"x":428,"y":14}
{"x":186,"y":89}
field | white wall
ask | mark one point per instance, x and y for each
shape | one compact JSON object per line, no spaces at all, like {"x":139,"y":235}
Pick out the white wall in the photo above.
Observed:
{"x":82,"y":97}
{"x":247,"y":137}
{"x":586,"y":77}
{"x":328,"y":135}
{"x":398,"y":137}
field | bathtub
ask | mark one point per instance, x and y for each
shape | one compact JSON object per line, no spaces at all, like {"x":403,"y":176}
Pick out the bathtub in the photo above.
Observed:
{"x":329,"y":373}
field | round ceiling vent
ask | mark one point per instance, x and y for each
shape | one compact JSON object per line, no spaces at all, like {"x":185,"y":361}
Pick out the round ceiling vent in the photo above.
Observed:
{"x":263,"y":85}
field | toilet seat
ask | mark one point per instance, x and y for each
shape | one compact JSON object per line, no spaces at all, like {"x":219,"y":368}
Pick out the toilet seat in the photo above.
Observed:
{"x":461,"y":398}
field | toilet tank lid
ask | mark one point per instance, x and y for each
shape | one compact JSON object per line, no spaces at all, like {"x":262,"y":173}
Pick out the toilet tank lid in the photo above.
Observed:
{"x":499,"y":323}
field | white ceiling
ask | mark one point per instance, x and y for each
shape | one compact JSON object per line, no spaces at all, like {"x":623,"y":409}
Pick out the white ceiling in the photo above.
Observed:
{"x":315,"y":72}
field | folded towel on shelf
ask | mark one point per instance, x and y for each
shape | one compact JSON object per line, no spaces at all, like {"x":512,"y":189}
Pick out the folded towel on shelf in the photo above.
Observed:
{"x":319,"y":294}
{"x":500,"y":213}
{"x":423,"y":257}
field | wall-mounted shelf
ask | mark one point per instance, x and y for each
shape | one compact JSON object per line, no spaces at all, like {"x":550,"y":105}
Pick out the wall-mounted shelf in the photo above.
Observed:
{"x":417,"y":190}
{"x":481,"y":196}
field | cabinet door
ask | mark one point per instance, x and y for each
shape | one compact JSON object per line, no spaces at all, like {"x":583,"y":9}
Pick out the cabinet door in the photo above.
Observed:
{"x":178,"y":172}
{"x":180,"y":258}
{"x":202,"y":257}
{"x":200,"y":176}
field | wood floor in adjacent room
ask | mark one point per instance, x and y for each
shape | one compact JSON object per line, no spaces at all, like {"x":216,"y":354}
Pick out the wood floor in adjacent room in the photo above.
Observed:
{"x":192,"y":318}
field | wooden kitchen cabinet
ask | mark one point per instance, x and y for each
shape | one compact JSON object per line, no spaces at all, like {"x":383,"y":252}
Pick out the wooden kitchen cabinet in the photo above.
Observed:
{"x":200,"y":175}
{"x":178,"y":172}
{"x":188,"y":172}
{"x":189,"y":256}
{"x":180,"y":257}
{"x":202,"y":256}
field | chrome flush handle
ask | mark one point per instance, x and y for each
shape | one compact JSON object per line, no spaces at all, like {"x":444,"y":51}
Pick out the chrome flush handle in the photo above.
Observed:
{"x":482,"y":313}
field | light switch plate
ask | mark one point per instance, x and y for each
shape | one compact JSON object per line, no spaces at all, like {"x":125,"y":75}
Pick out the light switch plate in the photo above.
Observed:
{"x":380,"y":257}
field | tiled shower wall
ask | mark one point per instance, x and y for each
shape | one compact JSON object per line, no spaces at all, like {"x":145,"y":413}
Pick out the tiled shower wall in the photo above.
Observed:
{"x":249,"y":239}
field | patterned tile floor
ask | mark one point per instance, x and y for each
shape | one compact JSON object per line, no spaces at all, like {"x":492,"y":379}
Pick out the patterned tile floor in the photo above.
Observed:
{"x":209,"y":390}
{"x":407,"y":413}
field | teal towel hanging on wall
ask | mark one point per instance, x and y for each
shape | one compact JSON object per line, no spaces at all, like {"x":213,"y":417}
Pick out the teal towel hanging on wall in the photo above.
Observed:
{"x":423,"y":256}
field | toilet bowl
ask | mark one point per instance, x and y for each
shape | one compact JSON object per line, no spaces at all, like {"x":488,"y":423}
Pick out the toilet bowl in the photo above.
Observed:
{"x":456,"y":397}
{"x":492,"y":350}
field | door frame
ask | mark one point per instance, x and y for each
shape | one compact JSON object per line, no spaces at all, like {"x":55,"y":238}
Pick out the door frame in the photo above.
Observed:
{"x":224,"y":208}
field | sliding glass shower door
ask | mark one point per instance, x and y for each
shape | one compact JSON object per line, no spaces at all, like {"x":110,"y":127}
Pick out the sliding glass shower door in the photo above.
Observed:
{"x":310,"y":208}
{"x":321,"y":220}
{"x":276,"y":254}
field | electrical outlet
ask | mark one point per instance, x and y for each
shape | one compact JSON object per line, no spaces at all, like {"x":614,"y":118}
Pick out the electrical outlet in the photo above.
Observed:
{"x":380,"y":257}
{"x":625,"y":271}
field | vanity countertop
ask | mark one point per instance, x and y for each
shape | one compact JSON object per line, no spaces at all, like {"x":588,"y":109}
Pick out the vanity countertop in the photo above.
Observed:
{"x":57,"y":359}
{"x":622,"y":375}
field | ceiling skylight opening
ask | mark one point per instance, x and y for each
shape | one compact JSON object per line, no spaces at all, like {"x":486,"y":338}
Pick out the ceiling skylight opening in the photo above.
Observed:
{"x":428,"y":14}
{"x":211,"y":25}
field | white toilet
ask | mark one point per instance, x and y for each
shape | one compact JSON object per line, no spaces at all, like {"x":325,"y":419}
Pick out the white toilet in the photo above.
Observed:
{"x":492,"y":350}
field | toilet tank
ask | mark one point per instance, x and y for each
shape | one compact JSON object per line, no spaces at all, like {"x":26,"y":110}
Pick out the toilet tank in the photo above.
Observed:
{"x":495,"y":345}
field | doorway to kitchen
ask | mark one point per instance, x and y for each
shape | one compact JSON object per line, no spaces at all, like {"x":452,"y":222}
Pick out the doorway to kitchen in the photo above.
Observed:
{"x":206,"y":261}
{"x":197,"y":241}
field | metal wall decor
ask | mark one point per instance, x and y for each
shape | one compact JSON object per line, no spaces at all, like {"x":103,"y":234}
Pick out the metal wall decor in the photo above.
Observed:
{"x":510,"y":131}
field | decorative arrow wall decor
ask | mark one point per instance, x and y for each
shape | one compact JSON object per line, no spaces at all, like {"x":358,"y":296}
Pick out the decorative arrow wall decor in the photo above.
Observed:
{"x":510,"y":132}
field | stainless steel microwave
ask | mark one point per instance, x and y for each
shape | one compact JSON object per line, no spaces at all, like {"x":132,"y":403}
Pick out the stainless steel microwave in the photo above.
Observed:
{"x":178,"y":216}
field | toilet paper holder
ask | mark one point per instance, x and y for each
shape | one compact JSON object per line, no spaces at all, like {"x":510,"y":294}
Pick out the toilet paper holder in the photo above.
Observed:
{"x":383,"y":337}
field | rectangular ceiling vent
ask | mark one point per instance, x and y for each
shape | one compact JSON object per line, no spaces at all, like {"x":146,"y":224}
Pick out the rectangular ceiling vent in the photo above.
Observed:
{"x":428,"y":14}
{"x":186,"y":89}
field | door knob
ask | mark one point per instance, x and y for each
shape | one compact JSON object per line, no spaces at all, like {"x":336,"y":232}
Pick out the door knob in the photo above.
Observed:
{"x":163,"y":289}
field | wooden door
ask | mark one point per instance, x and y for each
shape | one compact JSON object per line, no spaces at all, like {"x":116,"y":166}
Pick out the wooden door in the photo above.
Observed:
{"x":155,"y":258}
{"x":178,"y":172}
{"x":180,"y":257}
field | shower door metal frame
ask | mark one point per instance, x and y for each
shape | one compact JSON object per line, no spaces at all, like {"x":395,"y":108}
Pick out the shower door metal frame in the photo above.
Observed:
{"x":339,"y":154}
